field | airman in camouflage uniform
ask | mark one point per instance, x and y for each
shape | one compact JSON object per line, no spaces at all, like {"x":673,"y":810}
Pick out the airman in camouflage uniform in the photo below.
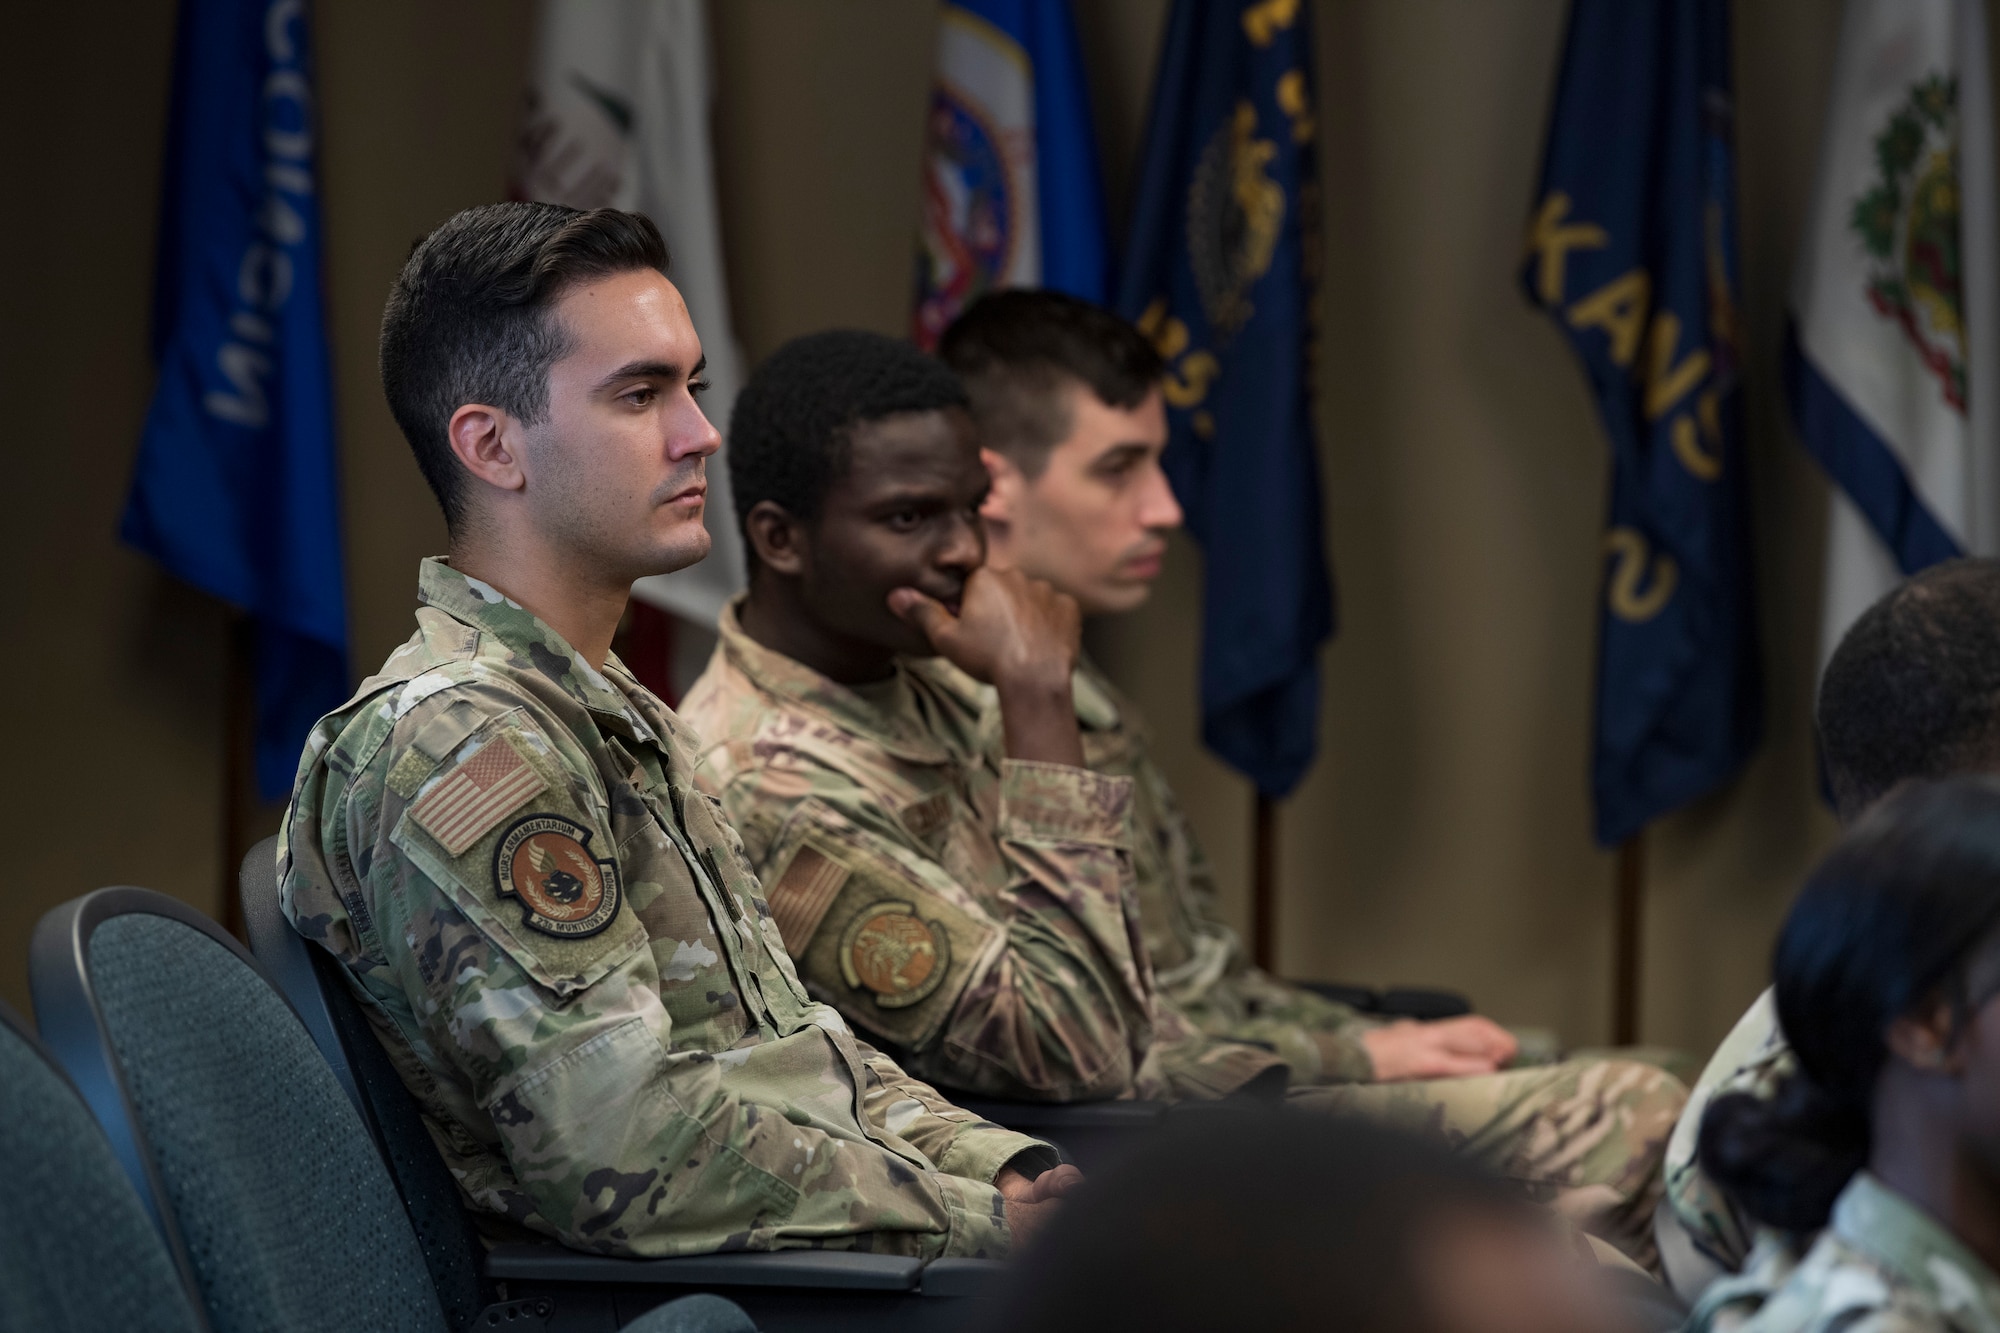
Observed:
{"x":560,"y":944}
{"x":877,"y":813}
{"x":1587,"y":1135}
{"x":1881,"y":1266}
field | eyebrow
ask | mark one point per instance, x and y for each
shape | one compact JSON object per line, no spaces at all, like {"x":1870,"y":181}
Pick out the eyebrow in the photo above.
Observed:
{"x":650,"y":370}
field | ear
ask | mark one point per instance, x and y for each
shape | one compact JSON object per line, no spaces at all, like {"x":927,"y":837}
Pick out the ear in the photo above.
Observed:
{"x":1925,"y":1039}
{"x":780,"y":540}
{"x":485,"y":439}
{"x":1003,"y":501}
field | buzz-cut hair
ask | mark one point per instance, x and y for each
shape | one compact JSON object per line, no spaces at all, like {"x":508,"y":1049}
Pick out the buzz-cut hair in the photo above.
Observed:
{"x":1913,"y":690}
{"x":471,"y":318}
{"x":792,"y":426}
{"x":1019,"y":352}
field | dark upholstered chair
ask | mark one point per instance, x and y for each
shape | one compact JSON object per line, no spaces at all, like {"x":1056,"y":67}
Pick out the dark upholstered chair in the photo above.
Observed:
{"x":794,"y":1289}
{"x":237,"y":1137}
{"x":78,"y":1251}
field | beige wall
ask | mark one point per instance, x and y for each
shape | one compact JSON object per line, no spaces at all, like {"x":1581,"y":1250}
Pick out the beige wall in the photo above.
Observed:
{"x":1444,"y":835}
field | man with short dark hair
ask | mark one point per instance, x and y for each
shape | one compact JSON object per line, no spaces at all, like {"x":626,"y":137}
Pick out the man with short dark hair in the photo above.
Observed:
{"x":999,"y":888}
{"x":1912,"y":691}
{"x":1069,"y":403}
{"x":891,"y":724}
{"x":554,"y":934}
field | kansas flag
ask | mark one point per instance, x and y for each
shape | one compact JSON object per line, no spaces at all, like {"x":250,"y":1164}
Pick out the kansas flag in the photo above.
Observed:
{"x":1632,"y":251}
{"x":1223,"y":274}
{"x":1011,"y":190}
{"x":235,"y":485}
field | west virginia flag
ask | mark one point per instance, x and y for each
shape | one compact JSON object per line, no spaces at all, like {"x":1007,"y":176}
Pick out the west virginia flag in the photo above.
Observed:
{"x":1222,"y":273}
{"x":1632,"y":250}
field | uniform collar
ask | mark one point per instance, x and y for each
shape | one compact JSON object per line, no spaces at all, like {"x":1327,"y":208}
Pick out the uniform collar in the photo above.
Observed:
{"x":1874,"y":1219}
{"x":530,"y":642}
{"x":891,"y":721}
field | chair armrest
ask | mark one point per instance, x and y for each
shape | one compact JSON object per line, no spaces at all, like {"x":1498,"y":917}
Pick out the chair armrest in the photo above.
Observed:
{"x":825,"y":1269}
{"x":1419,"y":1002}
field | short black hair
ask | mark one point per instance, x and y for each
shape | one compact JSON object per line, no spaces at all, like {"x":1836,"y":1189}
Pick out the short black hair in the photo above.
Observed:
{"x":1913,"y":690}
{"x":469,"y":321}
{"x":1018,"y":350}
{"x":792,"y":424}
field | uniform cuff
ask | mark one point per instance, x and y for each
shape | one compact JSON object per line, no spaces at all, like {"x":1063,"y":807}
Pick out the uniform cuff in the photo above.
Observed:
{"x":978,"y":1219}
{"x":979,"y":1154}
{"x":1042,"y":802}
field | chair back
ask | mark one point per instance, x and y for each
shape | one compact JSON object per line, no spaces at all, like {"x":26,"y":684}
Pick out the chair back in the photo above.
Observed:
{"x":258,"y":1163}
{"x":78,"y":1251}
{"x":313,"y":980}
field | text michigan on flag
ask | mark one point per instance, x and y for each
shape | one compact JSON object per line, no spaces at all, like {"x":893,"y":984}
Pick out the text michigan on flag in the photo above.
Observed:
{"x":235,"y":488}
{"x":1632,"y":250}
{"x":1222,"y":273}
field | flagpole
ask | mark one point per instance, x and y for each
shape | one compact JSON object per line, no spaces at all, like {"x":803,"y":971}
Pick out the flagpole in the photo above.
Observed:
{"x":1263,"y":882}
{"x":1630,"y":908}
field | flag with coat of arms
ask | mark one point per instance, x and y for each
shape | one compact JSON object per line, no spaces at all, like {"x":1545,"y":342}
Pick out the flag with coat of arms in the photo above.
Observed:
{"x":1891,"y":356}
{"x":1011,"y":196}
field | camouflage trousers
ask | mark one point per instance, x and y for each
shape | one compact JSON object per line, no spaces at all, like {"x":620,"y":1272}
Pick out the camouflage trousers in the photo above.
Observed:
{"x":1319,"y":1038}
{"x":1586,"y":1137}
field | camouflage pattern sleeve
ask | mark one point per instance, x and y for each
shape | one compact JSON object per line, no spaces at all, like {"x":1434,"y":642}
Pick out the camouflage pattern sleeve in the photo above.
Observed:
{"x":1039,"y":992}
{"x":961,"y":1143}
{"x":1702,"y":1236}
{"x":518,"y":954}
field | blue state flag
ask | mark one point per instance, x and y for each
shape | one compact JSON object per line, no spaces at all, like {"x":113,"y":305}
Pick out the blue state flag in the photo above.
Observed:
{"x":1012,"y":196}
{"x":1222,"y":272}
{"x":235,"y":487}
{"x":1632,"y":251}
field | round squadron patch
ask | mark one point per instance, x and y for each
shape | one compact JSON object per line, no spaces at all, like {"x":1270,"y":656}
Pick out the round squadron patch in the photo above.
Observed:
{"x":544,"y":863}
{"x":889,"y":950}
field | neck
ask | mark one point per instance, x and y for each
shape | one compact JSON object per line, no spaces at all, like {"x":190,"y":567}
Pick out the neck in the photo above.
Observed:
{"x":774,"y":615}
{"x":1920,"y":1151}
{"x":582,"y":605}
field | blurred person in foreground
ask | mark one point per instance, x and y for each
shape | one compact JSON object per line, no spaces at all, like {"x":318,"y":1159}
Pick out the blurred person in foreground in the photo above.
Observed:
{"x":554,"y":935}
{"x":1269,"y":1222}
{"x":1912,"y":691}
{"x":946,"y":867}
{"x":1884,"y":1136}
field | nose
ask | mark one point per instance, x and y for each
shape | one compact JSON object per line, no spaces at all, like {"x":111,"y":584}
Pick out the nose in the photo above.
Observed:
{"x":690,"y":434}
{"x":1157,"y":506}
{"x":964,"y":546}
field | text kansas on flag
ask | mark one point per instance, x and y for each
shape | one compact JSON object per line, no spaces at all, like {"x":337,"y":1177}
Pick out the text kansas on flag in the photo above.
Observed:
{"x":1632,"y":250}
{"x":1222,"y":273}
{"x":234,"y":489}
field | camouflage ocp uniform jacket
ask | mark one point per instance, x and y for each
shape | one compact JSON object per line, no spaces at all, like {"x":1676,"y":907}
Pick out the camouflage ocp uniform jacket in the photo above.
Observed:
{"x":563,"y":950}
{"x":1197,"y":959}
{"x":1882,"y":1265}
{"x":974,"y":912}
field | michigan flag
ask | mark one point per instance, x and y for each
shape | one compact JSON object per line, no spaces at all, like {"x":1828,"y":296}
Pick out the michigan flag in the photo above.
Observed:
{"x":1222,"y":272}
{"x":1010,"y":192}
{"x":235,"y":485}
{"x":1632,"y":251}
{"x":1891,"y":359}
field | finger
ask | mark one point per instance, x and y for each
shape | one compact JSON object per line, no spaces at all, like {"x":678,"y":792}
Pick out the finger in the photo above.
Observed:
{"x":1056,"y":1182}
{"x":1446,"y":1064}
{"x":926,"y":613}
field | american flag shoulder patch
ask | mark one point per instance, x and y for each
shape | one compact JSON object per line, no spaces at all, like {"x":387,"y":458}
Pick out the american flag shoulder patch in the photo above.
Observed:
{"x":486,"y":786}
{"x":801,"y":896}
